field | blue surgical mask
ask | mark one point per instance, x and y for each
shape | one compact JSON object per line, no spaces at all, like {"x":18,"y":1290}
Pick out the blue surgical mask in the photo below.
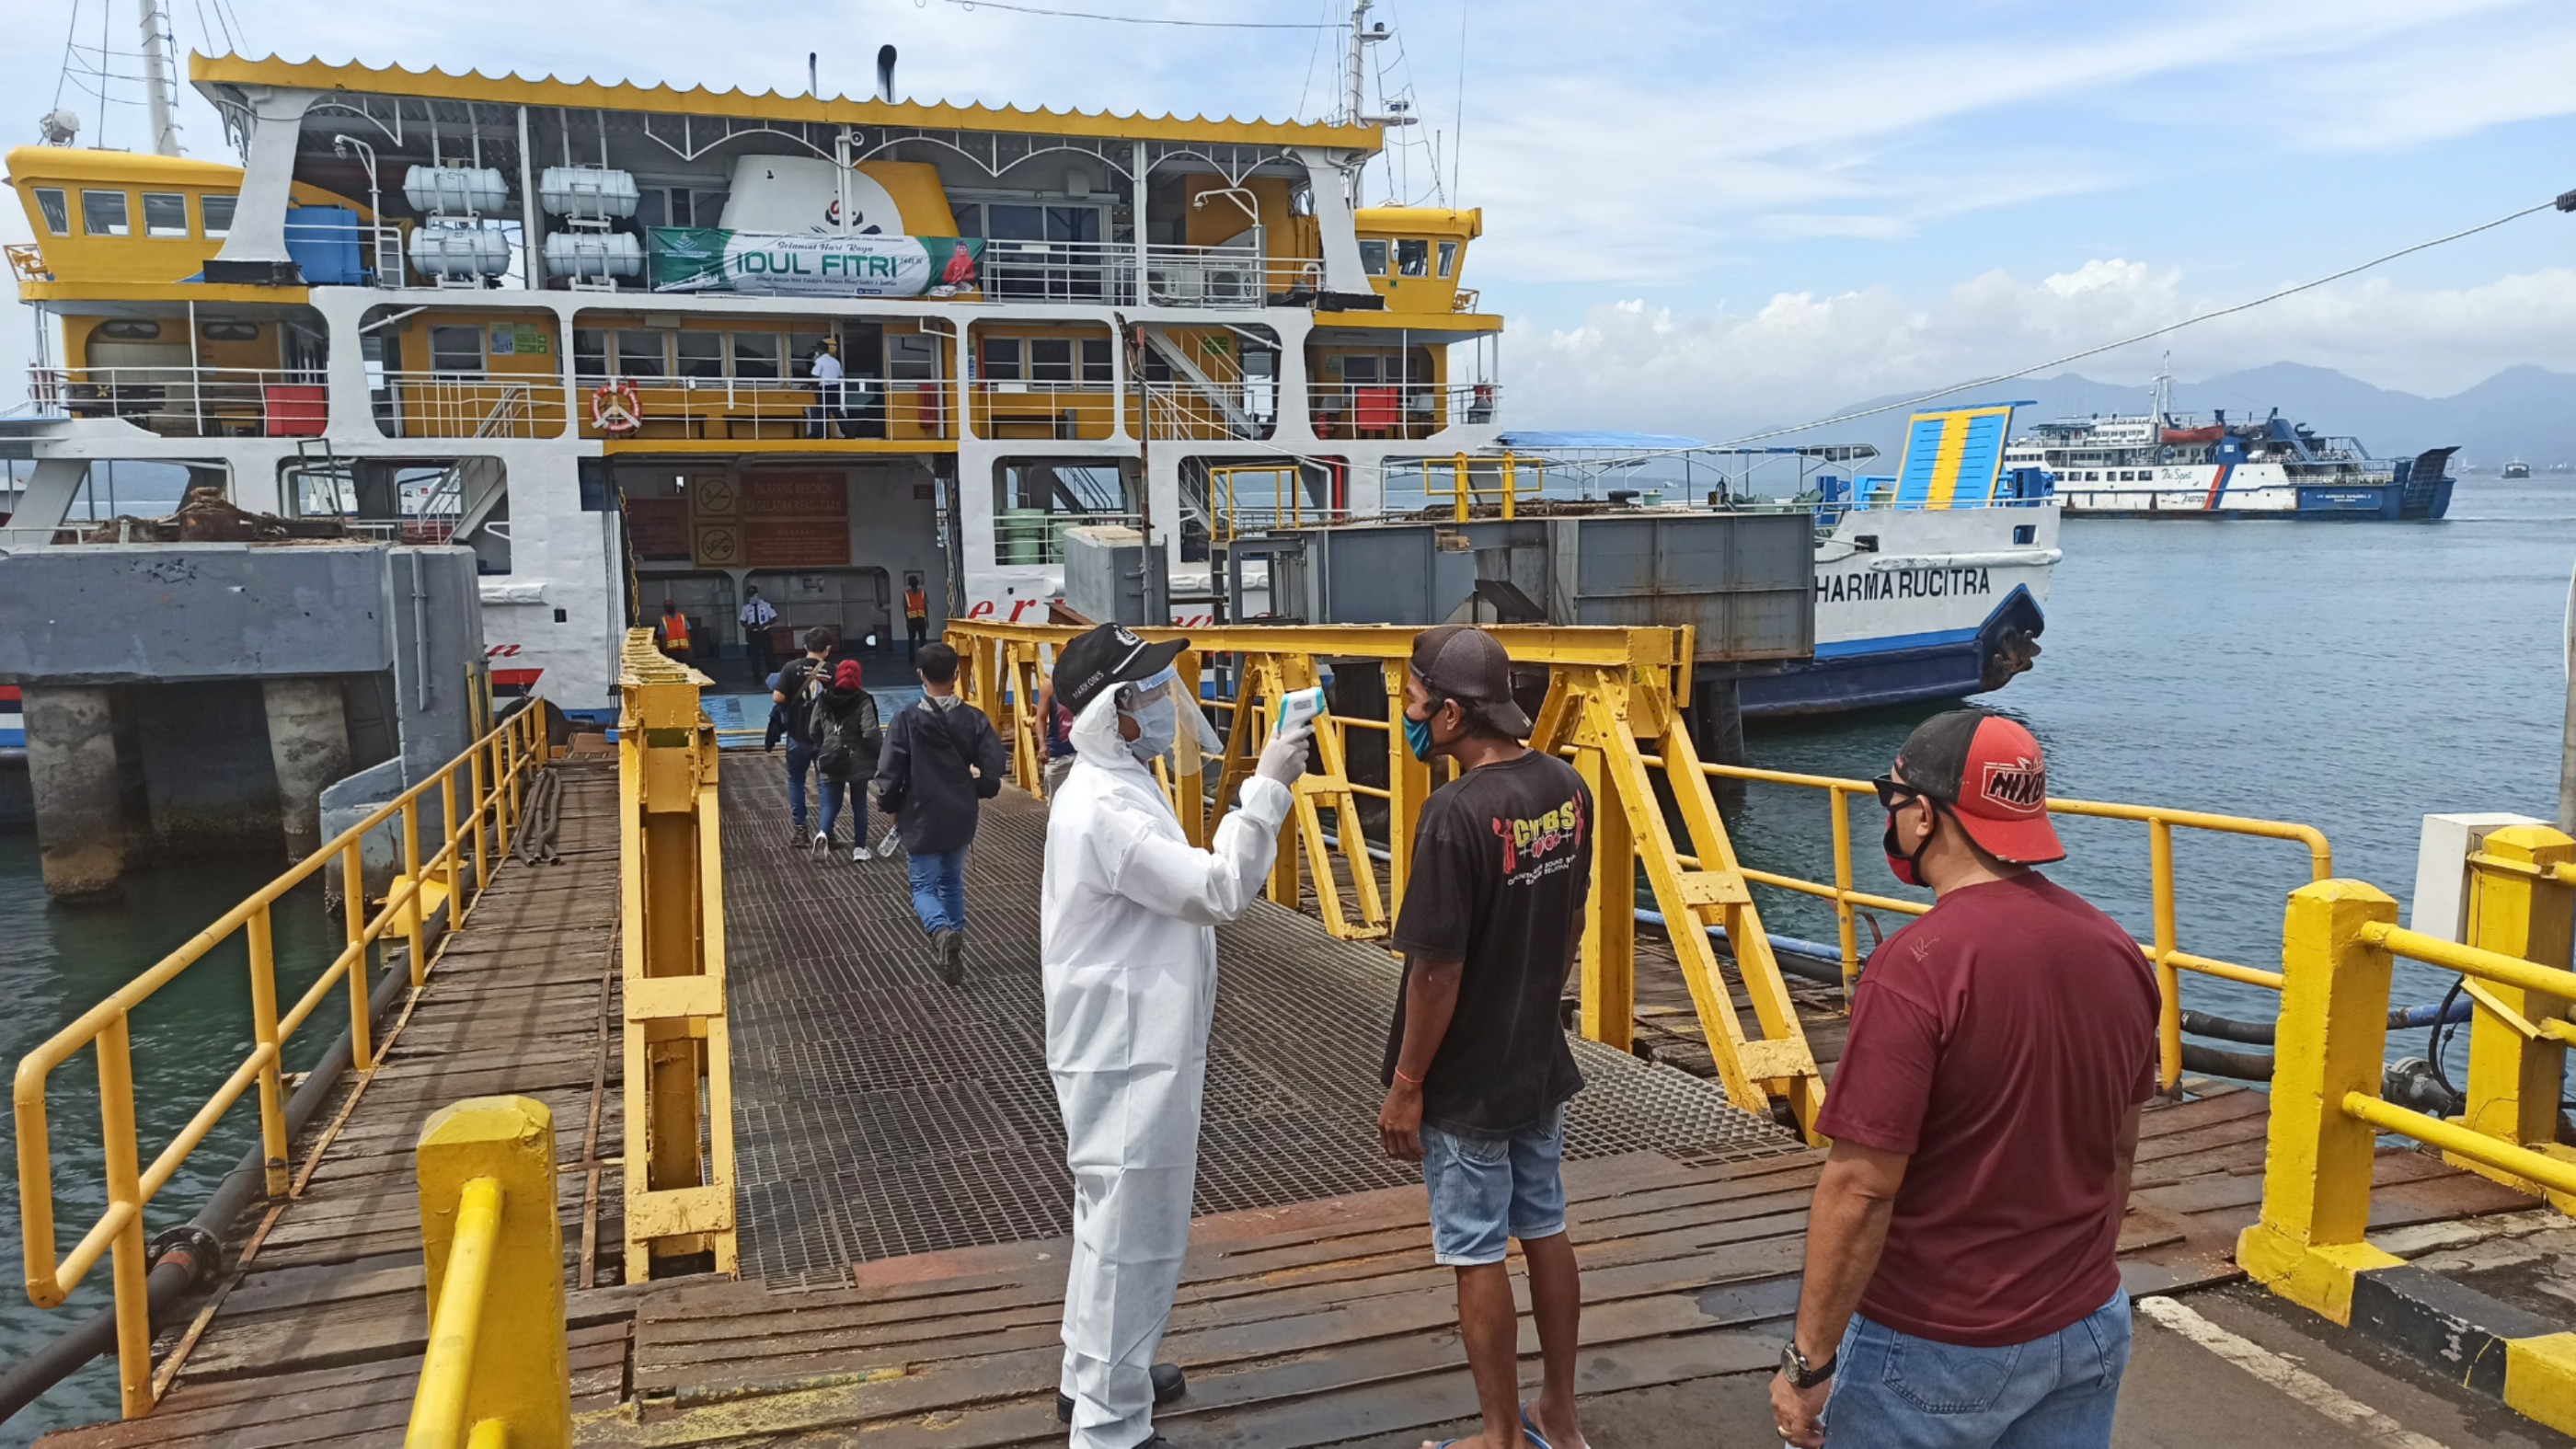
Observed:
{"x":1156,"y":720}
{"x":1417,"y":737}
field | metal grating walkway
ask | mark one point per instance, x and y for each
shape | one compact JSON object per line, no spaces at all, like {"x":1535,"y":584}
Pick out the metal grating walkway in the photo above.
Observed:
{"x":879,"y":1112}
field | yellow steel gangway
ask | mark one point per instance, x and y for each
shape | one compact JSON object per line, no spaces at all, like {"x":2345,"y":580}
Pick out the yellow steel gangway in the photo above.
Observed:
{"x":1614,"y":701}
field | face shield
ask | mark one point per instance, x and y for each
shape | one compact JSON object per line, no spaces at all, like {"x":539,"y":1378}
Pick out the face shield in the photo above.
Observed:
{"x":1169,"y":722}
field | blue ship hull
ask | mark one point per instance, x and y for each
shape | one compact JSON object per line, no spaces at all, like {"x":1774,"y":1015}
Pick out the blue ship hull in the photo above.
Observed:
{"x":1908,"y":669}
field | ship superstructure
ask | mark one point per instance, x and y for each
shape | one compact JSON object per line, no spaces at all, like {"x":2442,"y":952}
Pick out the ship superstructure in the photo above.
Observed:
{"x":592,"y":330}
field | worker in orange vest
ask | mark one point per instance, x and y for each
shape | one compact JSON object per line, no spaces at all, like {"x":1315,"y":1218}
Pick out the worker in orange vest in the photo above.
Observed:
{"x":672,"y":631}
{"x":916,"y":611}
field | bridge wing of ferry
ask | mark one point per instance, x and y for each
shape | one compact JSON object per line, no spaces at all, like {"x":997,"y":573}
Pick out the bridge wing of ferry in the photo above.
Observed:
{"x":647,"y":1127}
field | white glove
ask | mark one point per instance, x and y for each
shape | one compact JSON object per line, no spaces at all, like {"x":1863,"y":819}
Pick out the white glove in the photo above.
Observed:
{"x":1284,"y":758}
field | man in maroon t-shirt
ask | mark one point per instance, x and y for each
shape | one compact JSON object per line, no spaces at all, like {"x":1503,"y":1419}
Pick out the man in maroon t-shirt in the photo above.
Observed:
{"x":1963,"y":1287}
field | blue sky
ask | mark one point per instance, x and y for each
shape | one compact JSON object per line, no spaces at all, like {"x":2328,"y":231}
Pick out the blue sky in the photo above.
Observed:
{"x":1710,"y":216}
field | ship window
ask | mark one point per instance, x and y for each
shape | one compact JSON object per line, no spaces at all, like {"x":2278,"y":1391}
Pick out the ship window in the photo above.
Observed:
{"x":57,"y":210}
{"x":2025,"y":533}
{"x":217,"y":214}
{"x":1050,"y":359}
{"x":128,"y":329}
{"x":229,"y":331}
{"x":1412,"y":258}
{"x":912,"y":357}
{"x":755,"y":354}
{"x":1001,"y":357}
{"x":589,"y":352}
{"x":1448,"y":257}
{"x":1016,"y":223}
{"x":640,"y":354}
{"x":1359,"y":371}
{"x":103,"y":213}
{"x":1096,"y":360}
{"x":165,"y":213}
{"x":1373,"y":256}
{"x":456,"y":351}
{"x":701,"y":353}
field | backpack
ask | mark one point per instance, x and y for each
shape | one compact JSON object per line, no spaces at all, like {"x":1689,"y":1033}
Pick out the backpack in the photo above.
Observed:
{"x":840,"y":744}
{"x":803,"y":684}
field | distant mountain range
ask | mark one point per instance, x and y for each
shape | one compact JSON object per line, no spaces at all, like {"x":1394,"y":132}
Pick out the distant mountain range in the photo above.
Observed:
{"x":2525,"y":412}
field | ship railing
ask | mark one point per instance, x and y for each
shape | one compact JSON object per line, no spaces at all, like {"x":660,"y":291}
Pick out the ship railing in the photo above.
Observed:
{"x":477,"y":799}
{"x":2340,"y":941}
{"x":1399,"y":409}
{"x":2162,"y":947}
{"x":187,"y":402}
{"x":1211,"y":411}
{"x":1105,"y":273}
{"x":1023,"y":536}
{"x":1048,"y":408}
{"x":767,"y":409}
{"x":454,"y":404}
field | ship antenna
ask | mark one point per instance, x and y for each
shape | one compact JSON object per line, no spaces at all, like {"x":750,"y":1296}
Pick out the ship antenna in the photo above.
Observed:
{"x":159,"y":99}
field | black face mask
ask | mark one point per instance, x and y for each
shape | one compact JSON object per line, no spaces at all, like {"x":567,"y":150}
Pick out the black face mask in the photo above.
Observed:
{"x":1899,"y":864}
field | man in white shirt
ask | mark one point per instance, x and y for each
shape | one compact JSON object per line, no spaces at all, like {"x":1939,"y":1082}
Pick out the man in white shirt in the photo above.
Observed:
{"x":757,"y":616}
{"x":826,"y":367}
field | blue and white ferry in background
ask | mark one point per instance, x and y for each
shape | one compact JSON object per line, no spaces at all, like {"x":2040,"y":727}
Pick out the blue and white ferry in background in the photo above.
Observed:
{"x":2164,"y":465}
{"x":1931,"y":583}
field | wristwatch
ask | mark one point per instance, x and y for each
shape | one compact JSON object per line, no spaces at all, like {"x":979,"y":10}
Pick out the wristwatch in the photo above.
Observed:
{"x":1795,"y":1368}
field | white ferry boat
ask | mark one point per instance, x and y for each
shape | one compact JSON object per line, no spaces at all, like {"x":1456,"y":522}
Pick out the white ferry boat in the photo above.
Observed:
{"x":2164,"y":465}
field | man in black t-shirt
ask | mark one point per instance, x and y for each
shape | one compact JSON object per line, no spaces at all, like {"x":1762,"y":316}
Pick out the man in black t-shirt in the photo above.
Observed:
{"x":1477,"y":1068}
{"x":805,"y":677}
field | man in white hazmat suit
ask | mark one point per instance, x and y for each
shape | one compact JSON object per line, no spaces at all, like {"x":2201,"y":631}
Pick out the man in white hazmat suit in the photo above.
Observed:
{"x":1128,"y":946}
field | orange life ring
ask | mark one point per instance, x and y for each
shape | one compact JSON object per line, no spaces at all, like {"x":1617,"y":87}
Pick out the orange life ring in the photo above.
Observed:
{"x":615,"y":409}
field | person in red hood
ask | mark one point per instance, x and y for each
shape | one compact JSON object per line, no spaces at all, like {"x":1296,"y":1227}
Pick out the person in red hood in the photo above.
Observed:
{"x":847,"y":737}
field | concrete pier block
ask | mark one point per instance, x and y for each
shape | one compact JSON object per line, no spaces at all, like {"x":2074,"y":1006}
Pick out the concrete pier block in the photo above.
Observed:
{"x":208,"y":782}
{"x":308,"y":740}
{"x":72,"y":769}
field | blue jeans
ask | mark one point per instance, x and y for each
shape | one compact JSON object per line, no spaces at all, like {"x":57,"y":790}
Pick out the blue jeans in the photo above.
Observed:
{"x":1488,"y":1190}
{"x":939,"y":889}
{"x":1896,"y":1391}
{"x":832,"y":792}
{"x":800,"y":758}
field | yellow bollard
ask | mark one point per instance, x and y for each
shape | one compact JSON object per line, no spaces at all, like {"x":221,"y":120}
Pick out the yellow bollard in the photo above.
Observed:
{"x":2308,"y":1244}
{"x":493,"y":1248}
{"x":2518,"y":907}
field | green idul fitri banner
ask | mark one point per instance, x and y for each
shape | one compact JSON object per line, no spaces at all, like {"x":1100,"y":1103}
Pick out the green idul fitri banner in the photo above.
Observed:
{"x":815,"y":264}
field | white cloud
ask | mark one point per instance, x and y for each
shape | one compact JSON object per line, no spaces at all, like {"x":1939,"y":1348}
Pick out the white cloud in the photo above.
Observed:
{"x":1801,"y":355}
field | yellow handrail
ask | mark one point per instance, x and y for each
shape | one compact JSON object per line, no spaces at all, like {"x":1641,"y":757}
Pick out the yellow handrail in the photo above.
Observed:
{"x":510,"y":749}
{"x":497,"y":1369}
{"x":2340,"y":942}
{"x":2162,"y":953}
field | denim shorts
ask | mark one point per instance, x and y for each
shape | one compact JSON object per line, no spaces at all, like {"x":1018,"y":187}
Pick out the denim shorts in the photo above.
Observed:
{"x":1897,"y":1391}
{"x":1488,"y":1190}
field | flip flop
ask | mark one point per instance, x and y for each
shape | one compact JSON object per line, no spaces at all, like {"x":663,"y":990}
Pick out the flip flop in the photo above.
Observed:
{"x":1529,"y":1429}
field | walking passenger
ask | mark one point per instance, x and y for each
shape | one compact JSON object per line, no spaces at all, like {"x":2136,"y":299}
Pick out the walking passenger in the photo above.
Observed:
{"x":1962,"y":1284}
{"x":671,"y":631}
{"x":916,"y":613}
{"x":846,"y":743}
{"x":757,"y":615}
{"x":940,"y":762}
{"x":794,"y":694}
{"x":1477,"y":1068}
{"x":1127,"y":948}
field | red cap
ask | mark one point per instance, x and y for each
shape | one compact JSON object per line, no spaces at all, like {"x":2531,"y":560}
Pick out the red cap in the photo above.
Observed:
{"x":1989,"y":771}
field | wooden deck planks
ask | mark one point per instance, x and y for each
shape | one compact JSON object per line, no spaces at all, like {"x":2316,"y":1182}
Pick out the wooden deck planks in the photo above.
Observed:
{"x":319,"y":1339}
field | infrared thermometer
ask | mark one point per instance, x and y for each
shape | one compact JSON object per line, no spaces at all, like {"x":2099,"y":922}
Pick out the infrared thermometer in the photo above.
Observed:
{"x":1298,"y":707}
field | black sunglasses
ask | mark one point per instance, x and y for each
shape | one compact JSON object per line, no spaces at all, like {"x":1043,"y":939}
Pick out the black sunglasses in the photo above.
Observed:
{"x":1893,"y":793}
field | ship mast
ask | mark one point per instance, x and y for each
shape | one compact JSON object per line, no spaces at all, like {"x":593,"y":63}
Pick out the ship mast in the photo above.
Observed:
{"x":159,"y":99}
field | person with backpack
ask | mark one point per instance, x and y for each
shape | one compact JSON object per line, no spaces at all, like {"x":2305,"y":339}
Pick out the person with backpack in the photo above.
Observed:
{"x":798,"y":684}
{"x":846,"y":742}
{"x":940,"y":762}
